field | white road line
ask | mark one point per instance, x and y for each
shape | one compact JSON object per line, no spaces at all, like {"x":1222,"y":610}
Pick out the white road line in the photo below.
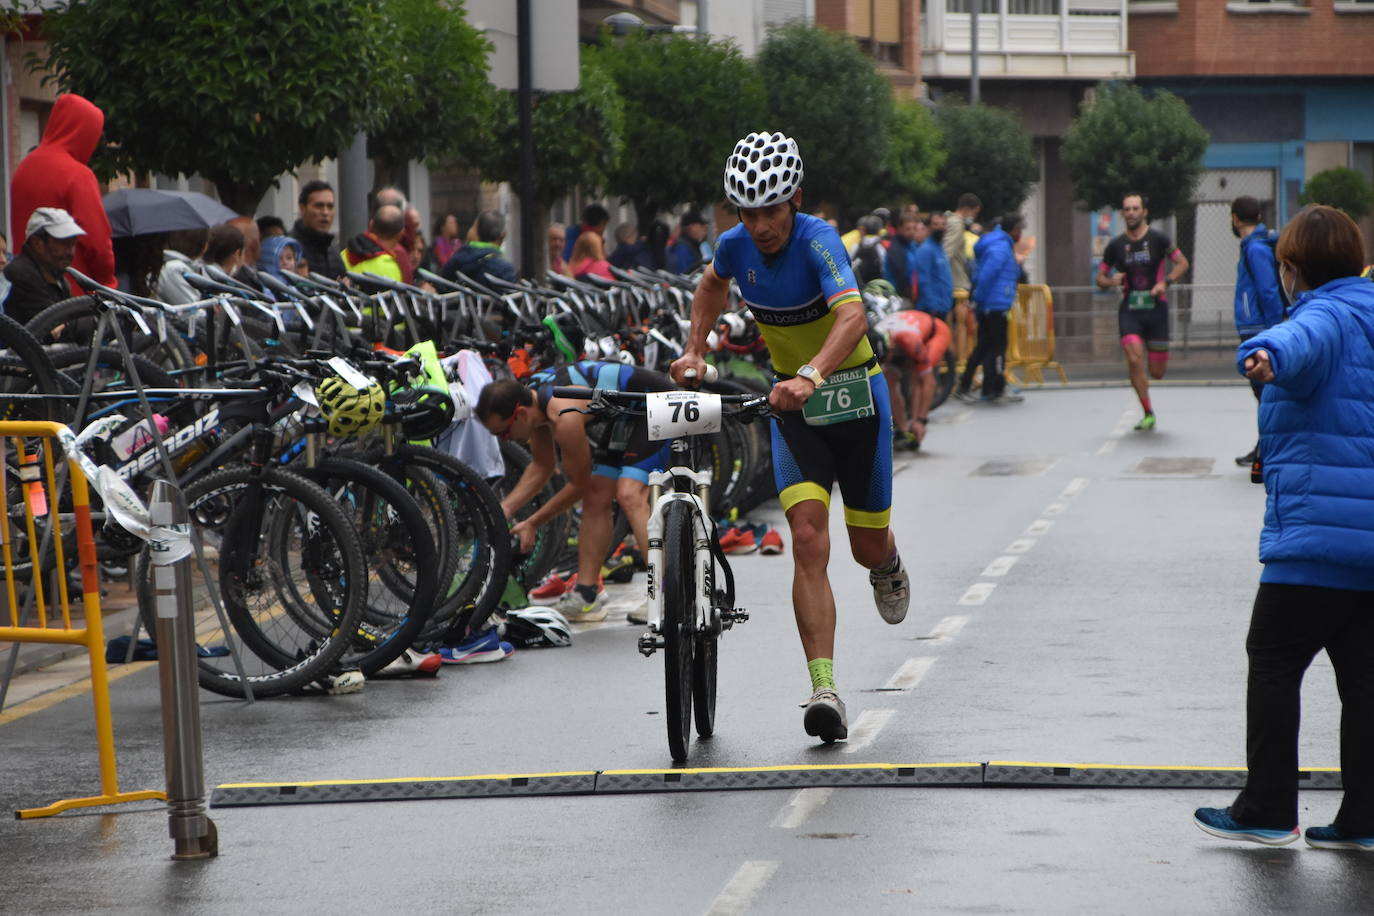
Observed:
{"x":977,"y":593}
{"x":1054,"y":509}
{"x":742,"y":888}
{"x":910,"y":674}
{"x":1039,"y":526}
{"x":1021,"y":545}
{"x":866,"y":728}
{"x":948,"y":627}
{"x":1108,"y":447}
{"x":800,"y":806}
{"x":1074,"y":488}
{"x":1000,"y":566}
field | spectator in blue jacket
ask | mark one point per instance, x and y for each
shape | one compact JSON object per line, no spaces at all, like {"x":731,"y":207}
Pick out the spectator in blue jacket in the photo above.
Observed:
{"x":899,"y":267}
{"x":934,"y":280}
{"x":1258,"y":302}
{"x":691,"y":249}
{"x":996,"y":271}
{"x":1317,"y":588}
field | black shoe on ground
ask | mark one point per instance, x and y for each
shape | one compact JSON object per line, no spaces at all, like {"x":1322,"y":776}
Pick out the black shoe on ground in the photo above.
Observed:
{"x":964,"y":394}
{"x":1244,"y":461}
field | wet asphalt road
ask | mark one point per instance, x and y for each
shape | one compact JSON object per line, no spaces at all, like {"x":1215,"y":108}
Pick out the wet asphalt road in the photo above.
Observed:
{"x":1081,"y":597}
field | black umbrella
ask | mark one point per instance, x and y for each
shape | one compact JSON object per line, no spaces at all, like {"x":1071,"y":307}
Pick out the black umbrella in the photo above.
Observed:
{"x":137,"y":211}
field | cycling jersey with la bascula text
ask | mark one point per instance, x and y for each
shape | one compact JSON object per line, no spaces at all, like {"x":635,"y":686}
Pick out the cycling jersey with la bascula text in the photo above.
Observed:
{"x":844,"y":435}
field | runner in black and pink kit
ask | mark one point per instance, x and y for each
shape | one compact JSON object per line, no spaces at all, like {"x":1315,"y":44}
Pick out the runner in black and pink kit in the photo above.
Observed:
{"x":1136,"y":261}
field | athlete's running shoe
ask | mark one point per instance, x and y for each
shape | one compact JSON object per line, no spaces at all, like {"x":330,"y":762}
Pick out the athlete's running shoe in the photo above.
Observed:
{"x":825,"y":717}
{"x":1218,"y":822}
{"x":480,"y":648}
{"x":1333,"y":837}
{"x":891,"y":592}
{"x":729,"y":538}
{"x":1146,"y":422}
{"x":412,"y":664}
{"x":771,"y":543}
{"x":744,"y":543}
{"x":964,"y":394}
{"x":342,"y":683}
{"x":577,"y":610}
{"x":639,"y":616}
{"x":552,"y":586}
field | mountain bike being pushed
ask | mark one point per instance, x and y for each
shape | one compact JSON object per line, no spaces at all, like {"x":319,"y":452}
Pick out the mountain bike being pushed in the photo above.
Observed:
{"x":690,"y":584}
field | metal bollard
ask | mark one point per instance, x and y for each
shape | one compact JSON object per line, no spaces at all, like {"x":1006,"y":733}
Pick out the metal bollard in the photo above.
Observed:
{"x":188,"y":824}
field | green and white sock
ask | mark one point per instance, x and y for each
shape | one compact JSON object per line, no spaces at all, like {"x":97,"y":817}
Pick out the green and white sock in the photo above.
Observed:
{"x":822,"y":674}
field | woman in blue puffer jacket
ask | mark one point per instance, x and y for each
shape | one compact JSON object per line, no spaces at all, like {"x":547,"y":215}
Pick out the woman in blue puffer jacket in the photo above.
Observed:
{"x":1317,"y":588}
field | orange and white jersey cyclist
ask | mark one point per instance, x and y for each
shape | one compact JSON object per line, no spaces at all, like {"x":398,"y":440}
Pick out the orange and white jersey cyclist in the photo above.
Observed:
{"x":917,"y":341}
{"x":833,"y":424}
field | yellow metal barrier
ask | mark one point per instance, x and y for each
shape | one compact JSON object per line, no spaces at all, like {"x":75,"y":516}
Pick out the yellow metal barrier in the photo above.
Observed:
{"x":34,"y":444}
{"x":1030,"y":334}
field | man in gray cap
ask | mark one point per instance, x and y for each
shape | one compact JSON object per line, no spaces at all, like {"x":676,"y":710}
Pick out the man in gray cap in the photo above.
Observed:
{"x":37,"y":274}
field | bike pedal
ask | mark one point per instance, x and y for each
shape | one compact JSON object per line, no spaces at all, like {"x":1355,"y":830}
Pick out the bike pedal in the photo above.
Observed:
{"x":650,"y":643}
{"x":734,"y":615}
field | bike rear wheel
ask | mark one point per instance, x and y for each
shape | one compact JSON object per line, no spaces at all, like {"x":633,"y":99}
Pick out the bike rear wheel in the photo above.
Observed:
{"x":294,"y":601}
{"x":401,"y":556}
{"x":679,"y":623}
{"x":704,"y":679}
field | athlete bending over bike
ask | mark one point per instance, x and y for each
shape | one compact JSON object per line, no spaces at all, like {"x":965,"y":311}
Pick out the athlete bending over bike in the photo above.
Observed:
{"x":832,"y":423}
{"x":603,"y":462}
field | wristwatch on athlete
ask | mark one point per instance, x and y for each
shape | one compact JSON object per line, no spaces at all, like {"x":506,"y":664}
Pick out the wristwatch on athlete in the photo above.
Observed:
{"x":811,"y":374}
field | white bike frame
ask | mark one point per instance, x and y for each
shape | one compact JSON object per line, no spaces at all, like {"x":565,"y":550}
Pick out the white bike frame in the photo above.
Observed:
{"x":701,"y":534}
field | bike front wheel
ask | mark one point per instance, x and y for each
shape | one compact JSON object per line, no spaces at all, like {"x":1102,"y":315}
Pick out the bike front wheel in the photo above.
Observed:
{"x":679,"y":623}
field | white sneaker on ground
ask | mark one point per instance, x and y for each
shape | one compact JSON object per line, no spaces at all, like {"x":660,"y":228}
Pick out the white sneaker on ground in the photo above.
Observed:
{"x":825,"y":717}
{"x":576,"y":610}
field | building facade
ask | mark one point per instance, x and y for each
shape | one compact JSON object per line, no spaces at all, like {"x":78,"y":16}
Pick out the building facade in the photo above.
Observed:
{"x":1283,"y":88}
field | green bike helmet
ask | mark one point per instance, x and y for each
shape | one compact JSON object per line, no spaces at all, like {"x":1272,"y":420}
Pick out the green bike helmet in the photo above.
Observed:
{"x":568,"y":337}
{"x":349,"y":411}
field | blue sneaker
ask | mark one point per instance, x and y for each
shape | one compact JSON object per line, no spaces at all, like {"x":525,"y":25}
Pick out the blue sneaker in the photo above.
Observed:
{"x":481,"y":647}
{"x":1334,"y":838}
{"x":1219,"y":823}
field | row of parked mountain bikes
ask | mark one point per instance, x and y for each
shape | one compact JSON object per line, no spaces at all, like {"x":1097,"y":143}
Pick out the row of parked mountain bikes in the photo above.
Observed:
{"x":317,"y":433}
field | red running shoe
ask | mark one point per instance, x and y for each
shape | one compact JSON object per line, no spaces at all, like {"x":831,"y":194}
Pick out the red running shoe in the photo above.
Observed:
{"x":771,"y":543}
{"x":729,"y":539}
{"x":553,"y":586}
{"x":745,"y":543}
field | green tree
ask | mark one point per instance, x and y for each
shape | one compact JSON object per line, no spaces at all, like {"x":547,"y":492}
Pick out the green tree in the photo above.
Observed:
{"x":687,"y":102}
{"x":915,"y":153}
{"x":1342,"y":188}
{"x":578,"y":137}
{"x":989,"y":154}
{"x":826,"y":94}
{"x":441,"y":96}
{"x":1123,"y":141}
{"x":239,"y":94}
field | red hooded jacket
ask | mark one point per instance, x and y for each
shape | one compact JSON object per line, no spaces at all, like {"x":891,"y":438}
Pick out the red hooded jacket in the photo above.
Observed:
{"x":55,"y":174}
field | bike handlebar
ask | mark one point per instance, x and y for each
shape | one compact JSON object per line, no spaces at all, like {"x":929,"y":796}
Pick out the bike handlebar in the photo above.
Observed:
{"x":743,"y":403}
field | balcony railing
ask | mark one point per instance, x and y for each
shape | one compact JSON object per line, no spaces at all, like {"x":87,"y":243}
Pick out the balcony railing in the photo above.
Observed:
{"x":1028,"y":38}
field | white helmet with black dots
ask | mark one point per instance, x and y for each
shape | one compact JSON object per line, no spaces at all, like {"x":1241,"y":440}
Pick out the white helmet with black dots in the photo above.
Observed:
{"x":764,"y":169}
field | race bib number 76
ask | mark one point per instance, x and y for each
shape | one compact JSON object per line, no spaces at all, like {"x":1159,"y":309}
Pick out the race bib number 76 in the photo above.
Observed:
{"x":682,"y":413}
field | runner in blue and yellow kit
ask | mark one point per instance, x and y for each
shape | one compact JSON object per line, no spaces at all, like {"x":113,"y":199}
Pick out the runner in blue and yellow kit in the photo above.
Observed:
{"x":833,"y":423}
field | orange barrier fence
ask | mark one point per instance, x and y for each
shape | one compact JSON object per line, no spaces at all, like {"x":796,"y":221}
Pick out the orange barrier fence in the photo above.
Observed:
{"x":42,"y":520}
{"x":1030,"y":334}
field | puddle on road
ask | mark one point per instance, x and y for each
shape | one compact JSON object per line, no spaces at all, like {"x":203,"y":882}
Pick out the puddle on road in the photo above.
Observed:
{"x":1013,"y":467}
{"x":1193,"y":467}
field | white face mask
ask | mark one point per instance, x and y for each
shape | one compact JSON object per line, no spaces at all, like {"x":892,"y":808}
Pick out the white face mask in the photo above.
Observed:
{"x":1290,"y":294}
